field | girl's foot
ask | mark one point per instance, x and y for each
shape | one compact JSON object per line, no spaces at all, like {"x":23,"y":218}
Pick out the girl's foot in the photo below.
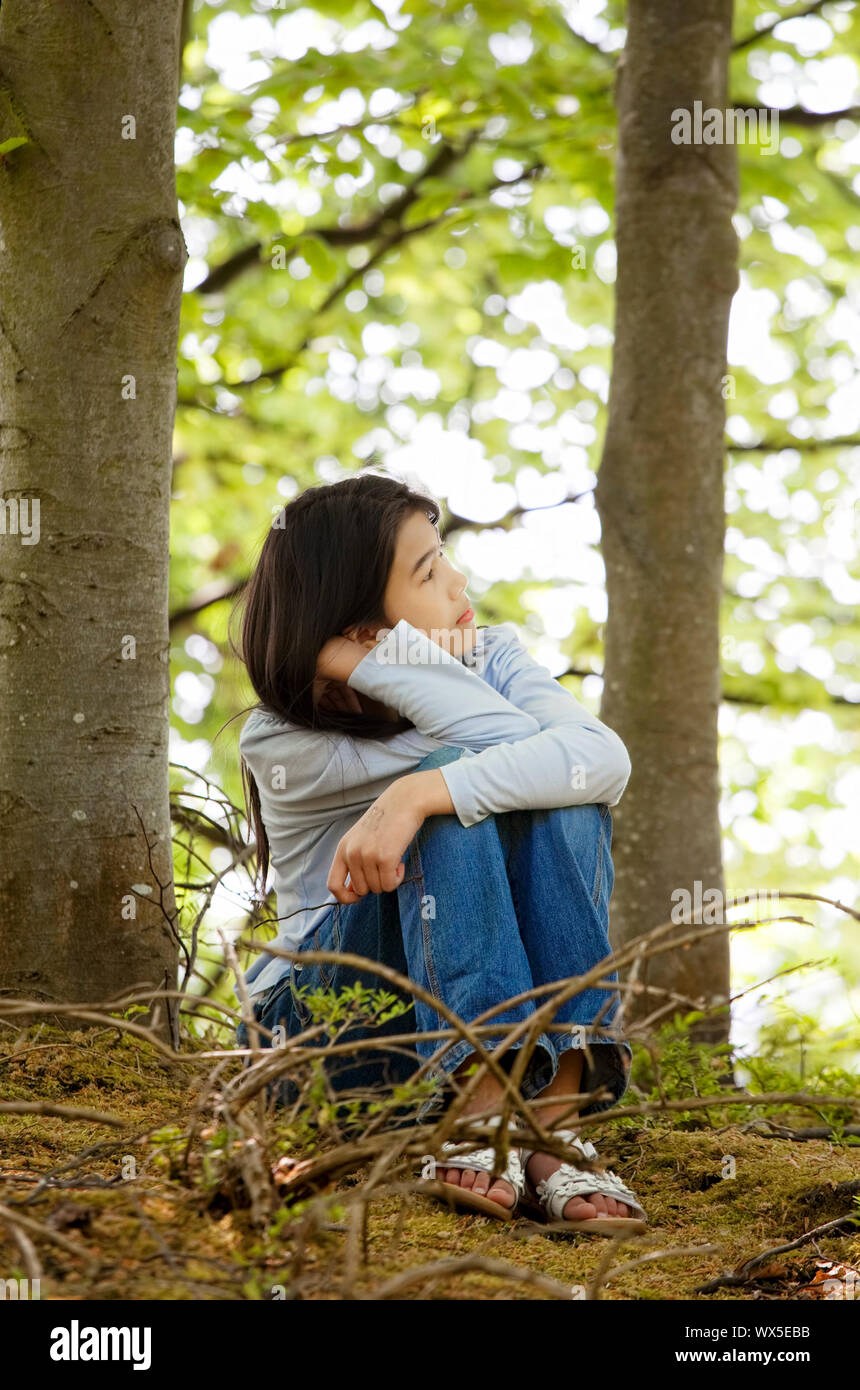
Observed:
{"x":539,"y":1168}
{"x":500,"y":1191}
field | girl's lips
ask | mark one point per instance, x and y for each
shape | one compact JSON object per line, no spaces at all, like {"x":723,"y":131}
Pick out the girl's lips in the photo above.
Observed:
{"x":467,"y":616}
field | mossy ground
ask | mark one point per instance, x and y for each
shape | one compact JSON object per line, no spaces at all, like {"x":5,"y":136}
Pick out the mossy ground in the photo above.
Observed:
{"x":148,"y":1216}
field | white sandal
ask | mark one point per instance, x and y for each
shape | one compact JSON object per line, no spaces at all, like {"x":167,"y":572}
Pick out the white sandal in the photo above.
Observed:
{"x":482,"y":1161}
{"x":549,"y":1199}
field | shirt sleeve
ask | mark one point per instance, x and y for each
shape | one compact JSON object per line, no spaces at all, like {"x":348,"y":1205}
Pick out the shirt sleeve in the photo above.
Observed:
{"x":566,"y":757}
{"x":574,"y":759}
{"x":444,"y":698}
{"x":448,"y":704}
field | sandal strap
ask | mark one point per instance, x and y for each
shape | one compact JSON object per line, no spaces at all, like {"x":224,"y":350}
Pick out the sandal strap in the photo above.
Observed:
{"x":554,"y":1192}
{"x":572,"y":1139}
{"x":483,"y":1161}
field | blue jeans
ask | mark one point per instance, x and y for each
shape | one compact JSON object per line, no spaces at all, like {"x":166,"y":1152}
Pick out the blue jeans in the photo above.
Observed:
{"x":483,"y":913}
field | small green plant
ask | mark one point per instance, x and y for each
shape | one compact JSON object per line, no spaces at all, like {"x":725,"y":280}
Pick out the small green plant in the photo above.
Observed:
{"x":354,"y":1004}
{"x":676,"y":1066}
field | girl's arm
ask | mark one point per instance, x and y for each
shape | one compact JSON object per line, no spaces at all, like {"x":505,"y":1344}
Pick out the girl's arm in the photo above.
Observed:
{"x":569,"y":757}
{"x":447,"y":703}
{"x":442,"y":697}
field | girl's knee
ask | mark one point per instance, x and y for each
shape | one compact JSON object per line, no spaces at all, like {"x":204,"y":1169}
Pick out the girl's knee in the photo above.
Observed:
{"x":583,"y":831}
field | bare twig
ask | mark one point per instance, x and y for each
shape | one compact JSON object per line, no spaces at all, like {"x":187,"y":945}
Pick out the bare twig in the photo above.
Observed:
{"x":59,"y":1112}
{"x":745,"y":1272}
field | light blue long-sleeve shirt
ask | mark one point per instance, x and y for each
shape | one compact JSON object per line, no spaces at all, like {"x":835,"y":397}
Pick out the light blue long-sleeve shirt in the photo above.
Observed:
{"x":529,"y":744}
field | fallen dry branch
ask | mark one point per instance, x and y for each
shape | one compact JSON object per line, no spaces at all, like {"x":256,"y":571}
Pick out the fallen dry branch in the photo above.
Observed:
{"x":605,"y":1271}
{"x":463,"y":1264}
{"x":745,"y":1272}
{"x":769,"y":1129}
{"x":249,"y":1179}
{"x":59,"y":1112}
{"x":12,"y":1218}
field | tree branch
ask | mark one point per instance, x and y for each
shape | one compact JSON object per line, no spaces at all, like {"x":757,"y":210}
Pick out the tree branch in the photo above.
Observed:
{"x":799,"y":115}
{"x":743,"y":697}
{"x":804,"y":446}
{"x":387,"y":244}
{"x":768,"y":29}
{"x":451,"y":522}
{"x":445,"y":157}
{"x":204,"y":598}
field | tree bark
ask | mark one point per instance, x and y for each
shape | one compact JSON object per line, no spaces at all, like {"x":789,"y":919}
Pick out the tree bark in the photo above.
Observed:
{"x":91,"y":263}
{"x":660,"y":487}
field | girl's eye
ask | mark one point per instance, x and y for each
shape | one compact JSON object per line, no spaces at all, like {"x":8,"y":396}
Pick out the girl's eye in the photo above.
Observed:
{"x":429,"y":574}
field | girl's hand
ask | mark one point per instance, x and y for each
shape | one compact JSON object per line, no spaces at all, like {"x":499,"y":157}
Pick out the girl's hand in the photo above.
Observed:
{"x":334,"y":695}
{"x":371,"y":852}
{"x":335,"y":664}
{"x":340,"y":656}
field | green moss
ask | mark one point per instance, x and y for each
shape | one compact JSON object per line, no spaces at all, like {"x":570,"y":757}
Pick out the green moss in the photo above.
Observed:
{"x":181,"y":1227}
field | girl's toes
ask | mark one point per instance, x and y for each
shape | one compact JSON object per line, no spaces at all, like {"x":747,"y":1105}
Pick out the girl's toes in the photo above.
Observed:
{"x":467,"y":1178}
{"x":481,"y":1183}
{"x":452,"y":1175}
{"x":502,"y":1193}
{"x":578,"y":1209}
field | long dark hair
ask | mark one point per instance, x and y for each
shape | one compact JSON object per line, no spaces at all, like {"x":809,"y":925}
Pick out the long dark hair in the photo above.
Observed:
{"x":323,"y":567}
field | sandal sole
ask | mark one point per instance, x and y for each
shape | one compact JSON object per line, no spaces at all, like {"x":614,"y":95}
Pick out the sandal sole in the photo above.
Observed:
{"x":452,"y":1194}
{"x":597,"y":1225}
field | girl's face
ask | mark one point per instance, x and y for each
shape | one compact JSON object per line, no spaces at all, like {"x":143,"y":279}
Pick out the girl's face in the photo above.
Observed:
{"x":425,"y":589}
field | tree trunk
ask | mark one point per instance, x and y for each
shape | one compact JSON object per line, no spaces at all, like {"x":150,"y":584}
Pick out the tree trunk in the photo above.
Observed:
{"x":91,"y":262}
{"x":660,"y":488}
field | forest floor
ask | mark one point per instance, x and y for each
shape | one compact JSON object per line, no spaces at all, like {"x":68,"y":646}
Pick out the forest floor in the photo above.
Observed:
{"x":158,"y":1206}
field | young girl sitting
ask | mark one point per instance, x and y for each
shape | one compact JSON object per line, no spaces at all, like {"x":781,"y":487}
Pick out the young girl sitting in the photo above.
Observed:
{"x":432,"y":799}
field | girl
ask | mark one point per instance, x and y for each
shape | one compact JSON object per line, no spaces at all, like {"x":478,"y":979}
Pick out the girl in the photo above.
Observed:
{"x":434,"y":800}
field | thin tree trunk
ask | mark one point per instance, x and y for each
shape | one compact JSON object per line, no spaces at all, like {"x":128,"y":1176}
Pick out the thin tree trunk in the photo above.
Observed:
{"x":91,"y":267}
{"x":660,"y":488}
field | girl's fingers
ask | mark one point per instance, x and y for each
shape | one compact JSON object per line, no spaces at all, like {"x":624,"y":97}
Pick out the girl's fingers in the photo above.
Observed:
{"x":335,"y":882}
{"x":340,"y":697}
{"x":383,"y":877}
{"x":357,"y":880}
{"x":348,"y":699}
{"x":366,"y":873}
{"x":371,"y":874}
{"x":392,"y":878}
